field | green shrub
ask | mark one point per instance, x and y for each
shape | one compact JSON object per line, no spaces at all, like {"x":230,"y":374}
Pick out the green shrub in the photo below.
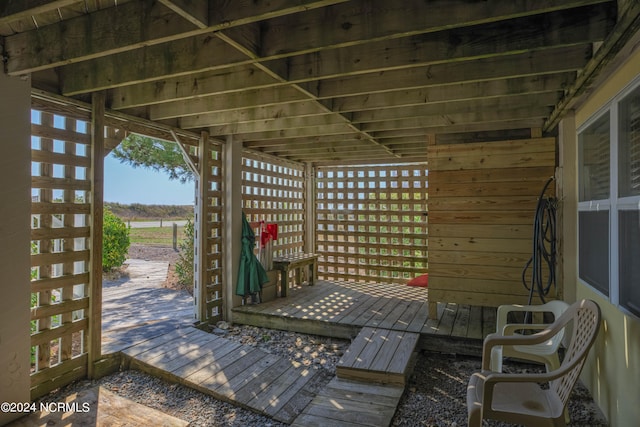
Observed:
{"x":115,"y":241}
{"x":184,"y":265}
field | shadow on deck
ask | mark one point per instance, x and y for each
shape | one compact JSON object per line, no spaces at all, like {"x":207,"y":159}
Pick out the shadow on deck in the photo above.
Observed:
{"x":149,"y":328}
{"x":342,"y":309}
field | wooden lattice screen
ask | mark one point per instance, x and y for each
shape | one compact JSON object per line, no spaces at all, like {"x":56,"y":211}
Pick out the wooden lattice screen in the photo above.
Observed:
{"x":61,"y":203}
{"x":371,"y":223}
{"x":273,"y":191}
{"x":209,"y":280}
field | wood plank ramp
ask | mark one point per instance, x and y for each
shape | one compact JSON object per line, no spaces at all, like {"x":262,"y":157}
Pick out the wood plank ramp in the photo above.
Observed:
{"x":242,"y":375}
{"x":136,"y":307}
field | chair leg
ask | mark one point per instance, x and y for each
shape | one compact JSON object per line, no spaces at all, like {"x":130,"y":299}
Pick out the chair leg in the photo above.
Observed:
{"x":475,"y":416}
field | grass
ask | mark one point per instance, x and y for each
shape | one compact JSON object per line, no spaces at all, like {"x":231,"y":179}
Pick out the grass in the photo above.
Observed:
{"x":156,"y":235}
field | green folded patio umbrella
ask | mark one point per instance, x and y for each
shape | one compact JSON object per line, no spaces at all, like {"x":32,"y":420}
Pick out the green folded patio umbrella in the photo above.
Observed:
{"x":251,"y":274}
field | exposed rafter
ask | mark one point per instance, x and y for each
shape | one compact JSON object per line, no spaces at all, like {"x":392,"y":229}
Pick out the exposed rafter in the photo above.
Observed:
{"x":326,"y":80}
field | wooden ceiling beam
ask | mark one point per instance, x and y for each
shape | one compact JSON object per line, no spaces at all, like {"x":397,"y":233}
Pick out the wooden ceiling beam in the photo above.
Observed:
{"x":130,"y":26}
{"x":237,"y":79}
{"x":228,"y":102}
{"x":339,"y":129}
{"x":456,"y":92}
{"x":358,"y":22}
{"x":195,"y":12}
{"x":326,"y":119}
{"x":205,"y":52}
{"x":457,"y":107}
{"x":477,"y":116}
{"x":15,"y":10}
{"x":559,"y":60}
{"x":563,"y":28}
{"x":256,"y":114}
{"x":318,"y":140}
{"x":420,"y":96}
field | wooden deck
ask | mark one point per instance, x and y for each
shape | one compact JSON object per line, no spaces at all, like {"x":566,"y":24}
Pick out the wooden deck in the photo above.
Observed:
{"x":150,"y":328}
{"x":137,"y":307}
{"x":342,"y":309}
{"x":105,"y":409}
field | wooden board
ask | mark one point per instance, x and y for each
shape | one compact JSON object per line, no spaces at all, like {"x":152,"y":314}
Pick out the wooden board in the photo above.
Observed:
{"x":379,"y":355}
{"x":344,"y":403}
{"x":105,"y":409}
{"x":243,"y":375}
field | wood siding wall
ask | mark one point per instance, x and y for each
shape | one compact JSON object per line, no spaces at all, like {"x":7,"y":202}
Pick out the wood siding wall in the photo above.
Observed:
{"x":482,"y":202}
{"x":370,"y":222}
{"x":273,"y":191}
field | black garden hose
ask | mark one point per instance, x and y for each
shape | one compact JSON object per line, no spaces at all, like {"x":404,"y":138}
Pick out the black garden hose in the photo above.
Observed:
{"x":544,"y":248}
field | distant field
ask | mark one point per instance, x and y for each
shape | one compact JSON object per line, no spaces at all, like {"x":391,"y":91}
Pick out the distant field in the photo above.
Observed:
{"x":155,"y":235}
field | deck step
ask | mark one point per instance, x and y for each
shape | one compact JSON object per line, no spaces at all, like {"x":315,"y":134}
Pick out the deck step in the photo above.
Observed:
{"x":346,"y":403}
{"x":379,"y":355}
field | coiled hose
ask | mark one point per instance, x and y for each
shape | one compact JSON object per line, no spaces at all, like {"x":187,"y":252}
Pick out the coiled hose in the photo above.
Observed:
{"x":543,"y":254}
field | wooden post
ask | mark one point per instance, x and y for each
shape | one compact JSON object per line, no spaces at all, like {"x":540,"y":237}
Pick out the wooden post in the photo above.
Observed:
{"x":309,"y":209}
{"x":175,"y":236}
{"x":233,"y":223}
{"x":200,"y":258}
{"x":567,"y":220}
{"x":15,"y":209}
{"x":95,"y":263}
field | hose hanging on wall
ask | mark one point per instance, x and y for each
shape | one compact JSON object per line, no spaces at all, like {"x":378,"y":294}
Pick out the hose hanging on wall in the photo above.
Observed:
{"x":543,"y":254}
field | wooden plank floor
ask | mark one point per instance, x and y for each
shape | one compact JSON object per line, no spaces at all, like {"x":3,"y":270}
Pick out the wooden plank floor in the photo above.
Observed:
{"x":106,"y":409}
{"x":242,"y":375}
{"x":341,"y":309}
{"x":136,"y":307}
{"x":346,"y":403}
{"x":380,"y":356}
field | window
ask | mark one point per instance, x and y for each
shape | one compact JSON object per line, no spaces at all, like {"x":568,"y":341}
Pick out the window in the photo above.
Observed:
{"x":609,"y":201}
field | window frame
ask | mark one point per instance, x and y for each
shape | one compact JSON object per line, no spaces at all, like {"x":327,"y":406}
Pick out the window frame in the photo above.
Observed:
{"x":614,"y":204}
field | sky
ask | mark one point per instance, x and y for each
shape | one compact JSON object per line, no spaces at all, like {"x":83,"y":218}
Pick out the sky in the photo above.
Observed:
{"x":125,"y":184}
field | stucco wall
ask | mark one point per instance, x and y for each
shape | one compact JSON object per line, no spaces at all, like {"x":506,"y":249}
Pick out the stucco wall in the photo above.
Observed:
{"x":15,"y":183}
{"x":612,"y":372}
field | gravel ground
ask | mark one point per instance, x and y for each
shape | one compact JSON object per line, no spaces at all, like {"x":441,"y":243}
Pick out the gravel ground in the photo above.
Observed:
{"x":435,"y":396}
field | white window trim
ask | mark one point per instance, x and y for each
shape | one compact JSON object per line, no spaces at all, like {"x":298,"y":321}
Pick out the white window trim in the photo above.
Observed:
{"x":614,"y":204}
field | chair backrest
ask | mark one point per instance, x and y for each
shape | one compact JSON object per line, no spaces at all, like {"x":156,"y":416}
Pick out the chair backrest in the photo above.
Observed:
{"x":584,"y":317}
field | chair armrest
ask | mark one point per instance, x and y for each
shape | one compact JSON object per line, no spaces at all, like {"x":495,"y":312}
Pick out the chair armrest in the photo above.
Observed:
{"x":510,"y":328}
{"x":496,"y":339}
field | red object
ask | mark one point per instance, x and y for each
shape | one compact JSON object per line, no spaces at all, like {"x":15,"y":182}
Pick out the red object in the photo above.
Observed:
{"x":268,"y":232}
{"x":420,"y":281}
{"x":272,"y":229}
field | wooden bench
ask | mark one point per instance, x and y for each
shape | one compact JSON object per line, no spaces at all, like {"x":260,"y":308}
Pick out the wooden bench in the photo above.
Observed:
{"x":296,"y":262}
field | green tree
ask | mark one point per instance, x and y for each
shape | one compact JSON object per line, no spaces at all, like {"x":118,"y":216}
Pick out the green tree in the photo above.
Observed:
{"x":184,"y":266}
{"x":163,"y":156}
{"x":115,"y":241}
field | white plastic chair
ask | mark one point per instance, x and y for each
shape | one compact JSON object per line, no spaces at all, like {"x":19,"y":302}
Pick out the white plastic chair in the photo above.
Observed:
{"x":519,"y":398}
{"x":545,"y":352}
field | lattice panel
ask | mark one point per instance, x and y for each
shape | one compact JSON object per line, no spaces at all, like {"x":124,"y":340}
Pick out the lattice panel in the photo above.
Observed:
{"x":213,"y":274}
{"x":273,"y":191}
{"x":371,"y":223}
{"x":61,"y":202}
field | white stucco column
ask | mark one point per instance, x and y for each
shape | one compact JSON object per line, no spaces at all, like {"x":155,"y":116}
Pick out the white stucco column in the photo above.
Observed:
{"x":15,"y":220}
{"x":567,"y":191}
{"x":232,"y":230}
